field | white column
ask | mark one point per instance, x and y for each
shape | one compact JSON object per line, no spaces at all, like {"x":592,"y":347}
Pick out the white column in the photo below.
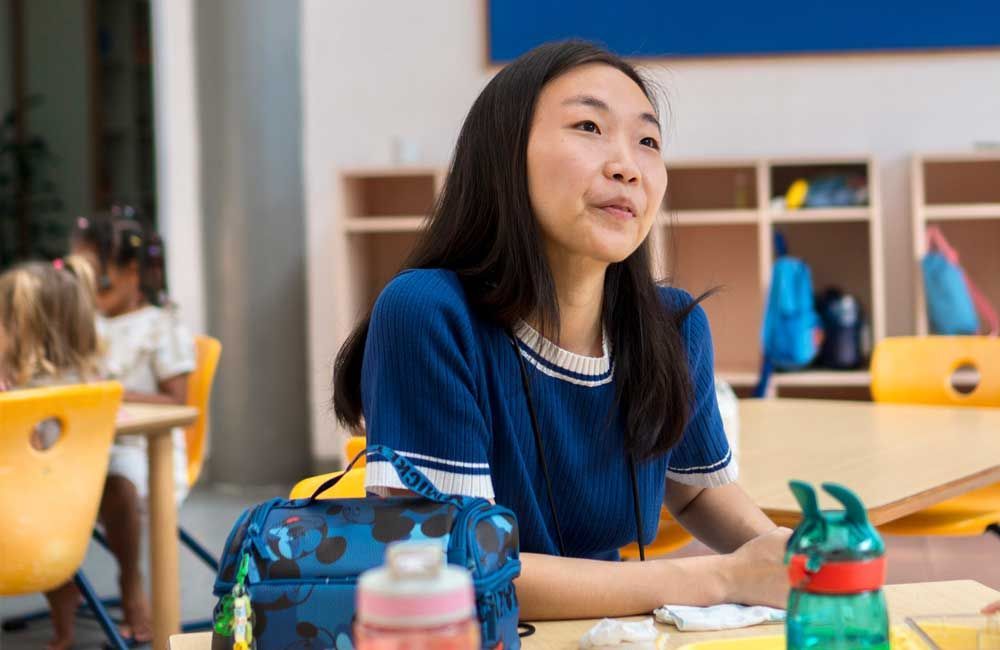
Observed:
{"x":178,"y":155}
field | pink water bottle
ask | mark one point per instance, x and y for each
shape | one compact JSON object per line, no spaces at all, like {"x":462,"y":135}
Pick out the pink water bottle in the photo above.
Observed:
{"x":416,"y":602}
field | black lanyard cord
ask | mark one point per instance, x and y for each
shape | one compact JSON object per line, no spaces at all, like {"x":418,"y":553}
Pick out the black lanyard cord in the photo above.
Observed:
{"x":536,"y":430}
{"x":538,"y":446}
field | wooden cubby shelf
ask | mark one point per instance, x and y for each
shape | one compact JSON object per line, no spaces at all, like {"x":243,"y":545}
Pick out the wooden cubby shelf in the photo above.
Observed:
{"x":715,"y":231}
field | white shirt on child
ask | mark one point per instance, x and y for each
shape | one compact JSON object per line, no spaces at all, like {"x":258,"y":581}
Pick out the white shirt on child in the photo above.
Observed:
{"x":141,"y":349}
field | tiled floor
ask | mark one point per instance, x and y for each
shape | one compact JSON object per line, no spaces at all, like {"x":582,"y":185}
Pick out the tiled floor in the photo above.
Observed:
{"x":208,"y":514}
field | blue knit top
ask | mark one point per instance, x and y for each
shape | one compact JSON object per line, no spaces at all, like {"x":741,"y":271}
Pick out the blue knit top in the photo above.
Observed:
{"x":442,"y":386}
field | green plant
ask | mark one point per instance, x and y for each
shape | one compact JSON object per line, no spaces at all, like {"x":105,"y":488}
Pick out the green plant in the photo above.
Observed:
{"x":30,"y":224}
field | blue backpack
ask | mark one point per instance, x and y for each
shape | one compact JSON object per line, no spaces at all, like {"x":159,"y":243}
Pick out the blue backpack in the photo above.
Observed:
{"x":951,"y":309}
{"x":299,"y":560}
{"x":790,"y":322}
{"x":791,"y":332}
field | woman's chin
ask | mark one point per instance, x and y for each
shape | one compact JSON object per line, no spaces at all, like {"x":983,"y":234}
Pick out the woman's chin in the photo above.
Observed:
{"x":611,"y":255}
{"x":612,"y":248}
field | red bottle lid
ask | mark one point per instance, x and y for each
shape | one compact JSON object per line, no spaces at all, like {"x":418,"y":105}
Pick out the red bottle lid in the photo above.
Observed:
{"x":852,"y":577}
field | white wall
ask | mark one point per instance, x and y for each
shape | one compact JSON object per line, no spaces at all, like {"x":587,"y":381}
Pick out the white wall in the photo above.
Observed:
{"x":385,"y":68}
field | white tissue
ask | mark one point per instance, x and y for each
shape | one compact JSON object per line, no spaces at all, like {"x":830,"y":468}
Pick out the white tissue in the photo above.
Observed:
{"x":640,"y":635}
{"x":718,"y":617}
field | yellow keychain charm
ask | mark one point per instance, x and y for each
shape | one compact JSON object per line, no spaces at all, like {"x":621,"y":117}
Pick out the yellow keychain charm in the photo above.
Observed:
{"x":242,"y":627}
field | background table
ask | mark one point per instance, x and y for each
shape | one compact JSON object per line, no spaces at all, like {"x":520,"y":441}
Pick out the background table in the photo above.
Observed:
{"x":156,"y":422}
{"x":898,"y":458}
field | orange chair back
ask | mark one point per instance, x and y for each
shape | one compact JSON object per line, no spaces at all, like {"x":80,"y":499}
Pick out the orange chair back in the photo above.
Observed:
{"x":352,"y":486}
{"x":49,"y":499}
{"x":199,"y":394}
{"x":919,"y":370}
{"x":353,"y":447}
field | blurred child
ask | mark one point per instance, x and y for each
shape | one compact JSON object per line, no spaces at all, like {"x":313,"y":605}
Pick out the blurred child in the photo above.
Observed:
{"x":48,"y":337}
{"x":151,"y":353}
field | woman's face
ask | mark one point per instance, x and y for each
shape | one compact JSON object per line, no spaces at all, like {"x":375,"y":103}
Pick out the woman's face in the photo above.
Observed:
{"x":596,"y":177}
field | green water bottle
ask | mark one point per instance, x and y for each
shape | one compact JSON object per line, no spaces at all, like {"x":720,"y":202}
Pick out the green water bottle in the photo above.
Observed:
{"x":836,"y":566}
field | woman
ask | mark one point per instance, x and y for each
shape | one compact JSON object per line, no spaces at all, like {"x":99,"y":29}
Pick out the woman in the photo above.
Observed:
{"x":527,"y":355}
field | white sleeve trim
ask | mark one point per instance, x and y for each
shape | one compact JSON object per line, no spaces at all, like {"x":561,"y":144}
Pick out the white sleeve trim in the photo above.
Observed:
{"x":728,"y":474}
{"x":380,"y":474}
{"x":457,"y":463}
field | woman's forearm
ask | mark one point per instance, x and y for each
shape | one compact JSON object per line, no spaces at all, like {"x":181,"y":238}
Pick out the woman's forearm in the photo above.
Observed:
{"x":724,"y":518}
{"x":562,"y":588}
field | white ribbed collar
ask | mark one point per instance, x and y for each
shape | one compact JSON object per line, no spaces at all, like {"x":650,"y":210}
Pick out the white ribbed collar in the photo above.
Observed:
{"x":564,"y":359}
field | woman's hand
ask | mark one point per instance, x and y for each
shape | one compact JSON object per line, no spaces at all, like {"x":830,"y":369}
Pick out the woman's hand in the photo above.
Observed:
{"x":992,"y":608}
{"x":756,"y":572}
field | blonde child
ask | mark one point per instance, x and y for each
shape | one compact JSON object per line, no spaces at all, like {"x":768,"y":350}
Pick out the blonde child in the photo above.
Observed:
{"x":48,"y":337}
{"x":151,"y":353}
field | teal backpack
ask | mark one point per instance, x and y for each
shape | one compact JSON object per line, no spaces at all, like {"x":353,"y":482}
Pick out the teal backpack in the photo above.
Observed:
{"x":792,"y":329}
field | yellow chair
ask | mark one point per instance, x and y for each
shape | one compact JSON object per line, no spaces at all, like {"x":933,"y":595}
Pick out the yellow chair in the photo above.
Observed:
{"x":918,"y":370}
{"x":199,"y":393}
{"x":49,"y":498}
{"x":353,"y":447}
{"x":670,"y":536}
{"x":352,"y":486}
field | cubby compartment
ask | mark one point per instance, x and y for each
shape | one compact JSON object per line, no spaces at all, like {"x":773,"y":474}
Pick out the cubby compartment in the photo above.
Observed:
{"x":408,"y":193}
{"x":961,"y":182}
{"x":853,"y":174}
{"x":711,"y":188}
{"x":977,"y":242}
{"x":724,"y":259}
{"x":839,"y":255}
{"x":375,"y":259}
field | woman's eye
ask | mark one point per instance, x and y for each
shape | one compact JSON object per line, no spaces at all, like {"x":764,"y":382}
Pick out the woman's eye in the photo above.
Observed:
{"x":588,"y":126}
{"x":650,"y":142}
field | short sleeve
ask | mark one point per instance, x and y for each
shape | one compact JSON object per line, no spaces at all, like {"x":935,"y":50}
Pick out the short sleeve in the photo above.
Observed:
{"x":703,"y":458}
{"x":174,"y":354}
{"x":420,"y":385}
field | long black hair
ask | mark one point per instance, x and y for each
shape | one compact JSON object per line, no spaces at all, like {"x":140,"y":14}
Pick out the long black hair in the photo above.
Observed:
{"x":120,"y":237}
{"x":482,"y":227}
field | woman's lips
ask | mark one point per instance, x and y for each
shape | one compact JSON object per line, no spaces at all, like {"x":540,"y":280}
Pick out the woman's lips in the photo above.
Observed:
{"x":618,"y":211}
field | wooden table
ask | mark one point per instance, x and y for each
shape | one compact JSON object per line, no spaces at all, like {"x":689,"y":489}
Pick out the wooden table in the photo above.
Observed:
{"x":921,"y":599}
{"x":898,"y":459}
{"x":156,"y":422}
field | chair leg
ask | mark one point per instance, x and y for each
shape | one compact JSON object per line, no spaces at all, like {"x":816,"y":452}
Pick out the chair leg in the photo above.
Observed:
{"x":101,"y":539}
{"x":109,"y":627}
{"x":198,"y":549}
